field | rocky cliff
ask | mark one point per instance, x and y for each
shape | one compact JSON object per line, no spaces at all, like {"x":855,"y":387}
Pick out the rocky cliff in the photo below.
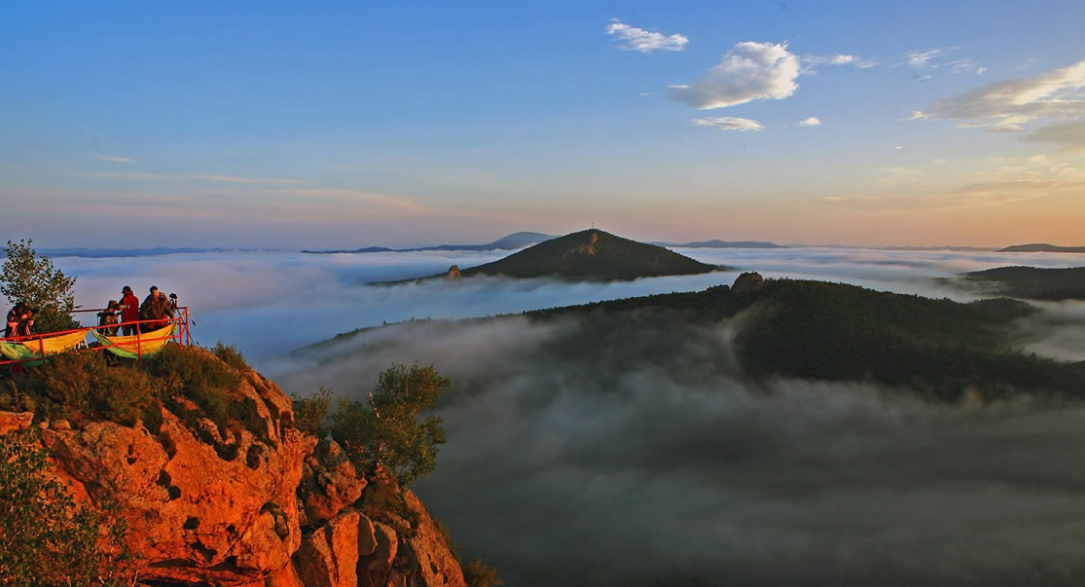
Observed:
{"x":282,"y":510}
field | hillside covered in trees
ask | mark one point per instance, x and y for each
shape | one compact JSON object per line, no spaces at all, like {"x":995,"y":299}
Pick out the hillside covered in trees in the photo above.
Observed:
{"x":1032,"y":282}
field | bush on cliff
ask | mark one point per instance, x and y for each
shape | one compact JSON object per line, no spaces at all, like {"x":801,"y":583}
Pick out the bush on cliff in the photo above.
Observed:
{"x":310,"y":413}
{"x":30,"y":278}
{"x":81,"y":387}
{"x":45,"y":540}
{"x":385,"y":429}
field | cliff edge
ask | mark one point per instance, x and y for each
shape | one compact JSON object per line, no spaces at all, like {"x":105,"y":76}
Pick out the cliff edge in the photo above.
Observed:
{"x":254,"y":504}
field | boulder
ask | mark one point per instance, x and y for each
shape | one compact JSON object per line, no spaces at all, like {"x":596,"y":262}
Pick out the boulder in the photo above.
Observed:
{"x":15,"y":421}
{"x":454,"y":272}
{"x":329,"y":483}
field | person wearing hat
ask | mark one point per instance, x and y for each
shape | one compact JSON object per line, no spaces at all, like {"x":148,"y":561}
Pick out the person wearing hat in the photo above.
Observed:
{"x":109,"y":317}
{"x":155,"y":307}
{"x":129,"y":311}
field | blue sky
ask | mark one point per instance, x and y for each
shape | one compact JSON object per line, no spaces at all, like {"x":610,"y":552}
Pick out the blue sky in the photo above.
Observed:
{"x":345,"y":124}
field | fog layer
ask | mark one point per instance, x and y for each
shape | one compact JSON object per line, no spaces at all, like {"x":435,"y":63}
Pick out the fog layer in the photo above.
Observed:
{"x":269,"y":303}
{"x":631,"y":450}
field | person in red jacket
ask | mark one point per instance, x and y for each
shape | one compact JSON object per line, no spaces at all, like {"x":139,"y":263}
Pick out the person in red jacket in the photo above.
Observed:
{"x":130,"y":312}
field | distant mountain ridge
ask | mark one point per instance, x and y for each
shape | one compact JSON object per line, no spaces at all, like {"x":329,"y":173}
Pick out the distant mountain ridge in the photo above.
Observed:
{"x":516,"y":240}
{"x":592,"y":255}
{"x":1041,"y":248}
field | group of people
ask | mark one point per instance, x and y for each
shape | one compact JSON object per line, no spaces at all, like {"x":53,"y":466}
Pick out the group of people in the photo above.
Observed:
{"x":127,"y":313}
{"x":20,"y":320}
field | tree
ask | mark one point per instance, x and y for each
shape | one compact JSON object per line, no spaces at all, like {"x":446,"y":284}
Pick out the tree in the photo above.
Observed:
{"x":45,"y":539}
{"x":385,"y":429}
{"x":29,"y":278}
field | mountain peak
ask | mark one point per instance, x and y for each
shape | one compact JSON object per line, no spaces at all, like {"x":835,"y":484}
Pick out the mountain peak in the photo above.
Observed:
{"x":592,"y":254}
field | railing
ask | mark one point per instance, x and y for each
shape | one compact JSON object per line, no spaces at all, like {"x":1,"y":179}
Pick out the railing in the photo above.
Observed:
{"x":182,"y":335}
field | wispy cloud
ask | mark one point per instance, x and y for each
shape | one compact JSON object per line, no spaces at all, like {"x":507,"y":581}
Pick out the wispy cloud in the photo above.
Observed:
{"x":932,"y":59}
{"x":812,"y":121}
{"x":838,"y":59}
{"x":922,"y":59}
{"x":115,"y":159}
{"x":729,"y":123}
{"x":749,"y":71}
{"x":1069,"y":136}
{"x":186,"y":177}
{"x":1006,"y":181}
{"x":1010,"y":104}
{"x":633,"y":38}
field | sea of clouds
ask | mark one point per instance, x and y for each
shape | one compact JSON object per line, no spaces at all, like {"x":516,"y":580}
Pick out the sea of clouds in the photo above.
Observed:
{"x":269,"y":303}
{"x":588,"y":451}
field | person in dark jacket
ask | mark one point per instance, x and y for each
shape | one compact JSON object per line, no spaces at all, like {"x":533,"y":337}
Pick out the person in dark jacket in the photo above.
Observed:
{"x":26,"y":324}
{"x":109,"y":317}
{"x":155,"y":307}
{"x":15,"y":316}
{"x":129,"y":312}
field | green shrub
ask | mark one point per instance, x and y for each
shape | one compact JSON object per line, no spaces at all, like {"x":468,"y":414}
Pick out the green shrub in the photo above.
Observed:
{"x":311,"y":412}
{"x":385,"y":431}
{"x":229,"y":354}
{"x":30,"y":278}
{"x":79,"y":387}
{"x":45,"y":539}
{"x":478,"y":574}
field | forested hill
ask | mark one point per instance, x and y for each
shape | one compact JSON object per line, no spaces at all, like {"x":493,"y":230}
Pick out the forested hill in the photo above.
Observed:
{"x":818,"y":330}
{"x":592,"y":255}
{"x":1033,"y":283}
{"x":807,"y":329}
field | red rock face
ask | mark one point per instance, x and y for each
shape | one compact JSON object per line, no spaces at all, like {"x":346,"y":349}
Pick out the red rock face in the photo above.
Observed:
{"x":197,"y":518}
{"x":193,"y":515}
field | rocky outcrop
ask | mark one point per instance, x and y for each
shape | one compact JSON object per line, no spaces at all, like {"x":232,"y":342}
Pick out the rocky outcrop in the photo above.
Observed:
{"x":329,"y":483}
{"x":748,"y":283}
{"x":277,"y":509}
{"x":454,"y":272}
{"x":14,"y":421}
{"x":193,"y":515}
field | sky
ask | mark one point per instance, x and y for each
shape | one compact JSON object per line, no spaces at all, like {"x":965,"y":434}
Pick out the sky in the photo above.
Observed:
{"x":345,"y":124}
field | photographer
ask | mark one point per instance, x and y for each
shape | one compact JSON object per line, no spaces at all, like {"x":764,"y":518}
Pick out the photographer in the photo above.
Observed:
{"x":109,"y":317}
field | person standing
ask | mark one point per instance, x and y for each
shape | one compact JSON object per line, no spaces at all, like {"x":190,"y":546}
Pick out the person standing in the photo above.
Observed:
{"x":155,"y":307}
{"x":108,"y":317}
{"x":129,"y":311}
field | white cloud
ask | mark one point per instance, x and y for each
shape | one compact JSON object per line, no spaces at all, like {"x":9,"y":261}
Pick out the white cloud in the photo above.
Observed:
{"x":633,"y":38}
{"x":749,"y":71}
{"x":115,"y":159}
{"x":922,"y":59}
{"x":729,"y":123}
{"x":981,"y":70}
{"x":923,"y":78}
{"x":839,"y":59}
{"x":812,"y":121}
{"x":918,"y":115}
{"x":1009,"y":104}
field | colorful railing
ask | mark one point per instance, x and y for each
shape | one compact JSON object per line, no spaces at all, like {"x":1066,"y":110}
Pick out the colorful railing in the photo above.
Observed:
{"x":33,"y":348}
